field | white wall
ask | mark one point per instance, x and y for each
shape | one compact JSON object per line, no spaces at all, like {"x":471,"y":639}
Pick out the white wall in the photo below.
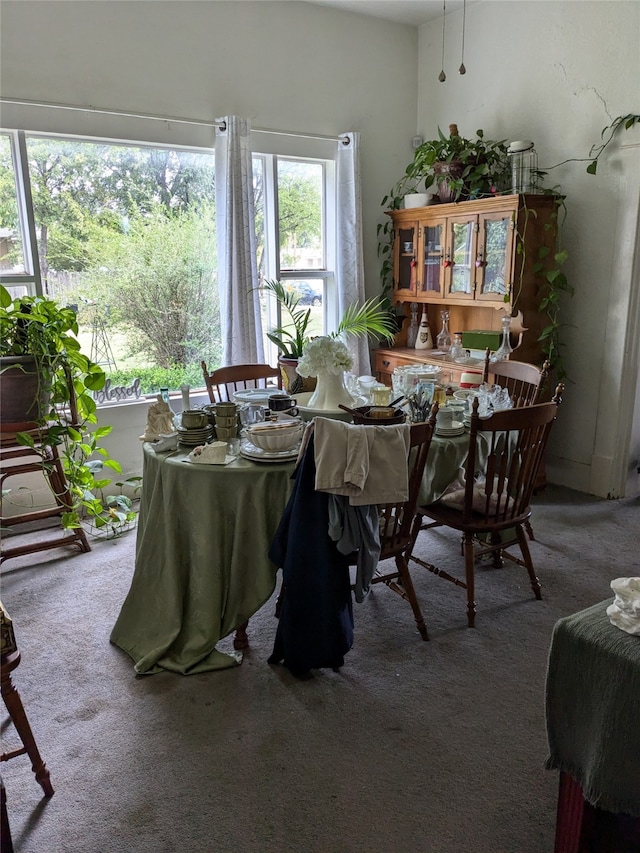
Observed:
{"x":286,"y":65}
{"x":558,"y":73}
{"x":555,"y":72}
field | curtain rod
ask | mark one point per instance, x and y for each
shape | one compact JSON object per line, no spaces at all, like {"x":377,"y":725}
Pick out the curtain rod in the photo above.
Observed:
{"x":149,"y":116}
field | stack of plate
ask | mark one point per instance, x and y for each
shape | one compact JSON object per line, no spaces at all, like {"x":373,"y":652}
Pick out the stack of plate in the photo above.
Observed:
{"x":456,"y":428}
{"x":250,"y":451}
{"x":193,"y":437}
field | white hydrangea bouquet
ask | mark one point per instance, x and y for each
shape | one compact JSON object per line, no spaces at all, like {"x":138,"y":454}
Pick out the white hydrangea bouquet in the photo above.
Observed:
{"x":325,"y":355}
{"x":327,"y":358}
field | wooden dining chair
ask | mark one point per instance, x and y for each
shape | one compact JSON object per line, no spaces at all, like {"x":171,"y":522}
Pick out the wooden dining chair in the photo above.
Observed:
{"x":523,"y":381}
{"x":396,"y":523}
{"x":225,"y":381}
{"x":314,"y":604}
{"x":491,"y":509}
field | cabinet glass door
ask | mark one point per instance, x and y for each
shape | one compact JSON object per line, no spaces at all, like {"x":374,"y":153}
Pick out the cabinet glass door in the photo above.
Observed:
{"x":460,"y":257}
{"x":432,"y":252}
{"x":405,"y":261}
{"x":494,"y":255}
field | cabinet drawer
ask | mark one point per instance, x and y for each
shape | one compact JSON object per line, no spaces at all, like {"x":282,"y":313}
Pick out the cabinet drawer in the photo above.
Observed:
{"x":386,"y":360}
{"x":385,"y":363}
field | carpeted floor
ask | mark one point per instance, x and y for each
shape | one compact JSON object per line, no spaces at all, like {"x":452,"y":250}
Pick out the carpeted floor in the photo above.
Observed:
{"x":434,"y":747}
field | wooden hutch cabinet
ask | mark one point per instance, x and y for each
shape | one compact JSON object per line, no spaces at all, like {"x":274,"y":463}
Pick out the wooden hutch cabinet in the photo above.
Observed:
{"x":475,"y":259}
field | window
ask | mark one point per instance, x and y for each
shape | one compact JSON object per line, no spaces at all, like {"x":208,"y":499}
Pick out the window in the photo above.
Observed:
{"x":295,"y":237}
{"x":125,"y":233}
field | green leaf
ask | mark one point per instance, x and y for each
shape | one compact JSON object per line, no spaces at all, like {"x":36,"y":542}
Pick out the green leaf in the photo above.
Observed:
{"x":592,"y":167}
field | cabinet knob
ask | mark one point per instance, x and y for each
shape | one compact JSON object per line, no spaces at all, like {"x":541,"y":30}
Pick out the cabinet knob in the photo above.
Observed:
{"x":386,"y":363}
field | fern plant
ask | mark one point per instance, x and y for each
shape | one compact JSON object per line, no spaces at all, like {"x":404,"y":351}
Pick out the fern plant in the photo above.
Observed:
{"x":291,"y":337}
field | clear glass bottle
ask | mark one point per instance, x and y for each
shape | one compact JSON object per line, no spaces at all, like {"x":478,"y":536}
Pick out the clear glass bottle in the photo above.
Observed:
{"x":457,"y":350}
{"x":505,"y":349}
{"x":412,"y":330}
{"x":443,"y":341}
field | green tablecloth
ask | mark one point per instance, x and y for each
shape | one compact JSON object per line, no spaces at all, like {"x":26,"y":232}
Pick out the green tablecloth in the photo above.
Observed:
{"x":593,"y":708}
{"x":201,"y":556}
{"x":201,"y":559}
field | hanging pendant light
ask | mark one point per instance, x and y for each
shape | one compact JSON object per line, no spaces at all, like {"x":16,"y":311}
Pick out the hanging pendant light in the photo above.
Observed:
{"x":462,"y":69}
{"x":442,"y":76}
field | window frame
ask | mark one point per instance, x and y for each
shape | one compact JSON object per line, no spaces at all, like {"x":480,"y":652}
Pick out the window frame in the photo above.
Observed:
{"x":30,"y":278}
{"x":272,"y":268}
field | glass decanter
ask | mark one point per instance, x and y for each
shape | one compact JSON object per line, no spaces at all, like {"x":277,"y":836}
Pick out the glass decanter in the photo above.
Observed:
{"x":412,"y":330}
{"x":505,"y":349}
{"x":443,"y":341}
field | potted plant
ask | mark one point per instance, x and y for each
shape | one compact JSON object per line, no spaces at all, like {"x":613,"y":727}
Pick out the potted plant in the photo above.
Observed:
{"x":292,"y":336}
{"x":460,"y":168}
{"x":46,"y":385}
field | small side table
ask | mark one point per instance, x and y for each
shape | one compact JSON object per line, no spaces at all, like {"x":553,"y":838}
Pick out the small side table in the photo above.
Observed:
{"x":592,"y":708}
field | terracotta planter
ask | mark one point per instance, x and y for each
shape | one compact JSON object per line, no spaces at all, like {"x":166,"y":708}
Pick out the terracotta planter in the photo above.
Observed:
{"x":24,"y":397}
{"x":444,"y":171}
{"x":292,"y":382}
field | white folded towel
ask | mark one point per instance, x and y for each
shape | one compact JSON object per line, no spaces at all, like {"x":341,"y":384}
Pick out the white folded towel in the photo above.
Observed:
{"x":367,"y":463}
{"x":624,"y":613}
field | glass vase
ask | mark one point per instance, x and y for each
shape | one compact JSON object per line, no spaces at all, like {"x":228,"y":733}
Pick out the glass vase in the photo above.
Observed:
{"x":443,"y":341}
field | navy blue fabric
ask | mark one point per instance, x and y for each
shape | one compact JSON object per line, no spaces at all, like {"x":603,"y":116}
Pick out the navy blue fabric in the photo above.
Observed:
{"x":315,"y":628}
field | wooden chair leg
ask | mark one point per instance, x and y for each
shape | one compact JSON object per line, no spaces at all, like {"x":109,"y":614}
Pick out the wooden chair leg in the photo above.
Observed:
{"x":495,"y":539}
{"x":409,"y":594}
{"x":469,"y":558}
{"x":240,"y":640}
{"x":526,"y":555}
{"x":529,"y":529}
{"x":6,"y":844}
{"x":19,"y":718}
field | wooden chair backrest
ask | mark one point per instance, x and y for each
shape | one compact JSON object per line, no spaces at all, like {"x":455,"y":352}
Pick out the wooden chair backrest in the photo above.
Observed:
{"x":517,"y":441}
{"x":396,"y":519}
{"x":223,"y":382}
{"x":523,"y":381}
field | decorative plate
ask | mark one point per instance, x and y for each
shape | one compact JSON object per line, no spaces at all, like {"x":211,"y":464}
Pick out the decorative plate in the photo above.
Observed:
{"x":255,"y":395}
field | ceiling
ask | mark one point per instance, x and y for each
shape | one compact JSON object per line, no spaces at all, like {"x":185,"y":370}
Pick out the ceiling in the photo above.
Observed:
{"x":414,"y":12}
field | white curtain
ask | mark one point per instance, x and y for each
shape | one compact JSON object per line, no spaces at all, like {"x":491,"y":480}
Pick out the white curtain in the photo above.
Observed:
{"x":350,"y":265}
{"x":240,"y":322}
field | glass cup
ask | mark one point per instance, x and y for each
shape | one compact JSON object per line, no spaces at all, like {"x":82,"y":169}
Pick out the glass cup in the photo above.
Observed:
{"x":439,"y":395}
{"x":251,"y":414}
{"x":380,"y":395}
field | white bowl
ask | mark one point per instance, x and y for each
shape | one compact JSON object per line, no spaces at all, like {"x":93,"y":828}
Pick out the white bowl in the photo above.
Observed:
{"x":274,"y":438}
{"x":463,"y":393}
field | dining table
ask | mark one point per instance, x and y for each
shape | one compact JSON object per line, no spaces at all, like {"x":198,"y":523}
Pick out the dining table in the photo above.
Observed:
{"x":202,"y":567}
